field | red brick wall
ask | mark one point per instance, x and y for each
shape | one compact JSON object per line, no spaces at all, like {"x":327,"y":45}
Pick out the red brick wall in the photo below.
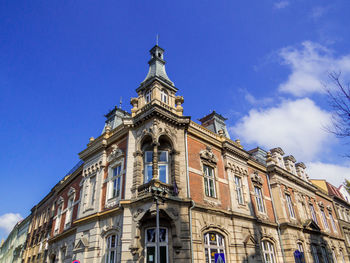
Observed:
{"x":195,"y":146}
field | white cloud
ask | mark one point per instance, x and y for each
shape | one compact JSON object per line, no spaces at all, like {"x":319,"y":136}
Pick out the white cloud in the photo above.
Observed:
{"x":333,"y":173}
{"x":255,"y":101}
{"x":318,"y":12}
{"x":281,"y":4}
{"x":296,"y":126}
{"x":8,"y":221}
{"x":310,"y":66}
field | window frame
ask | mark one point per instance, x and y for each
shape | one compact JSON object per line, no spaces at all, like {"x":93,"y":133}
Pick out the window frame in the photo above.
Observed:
{"x":314,"y":254}
{"x":160,"y":163}
{"x":58,"y":218}
{"x":324,"y":219}
{"x":290,"y":205}
{"x":164,"y":96}
{"x":220,"y":248}
{"x":148,"y":96}
{"x":259,"y":199}
{"x":334,"y":227}
{"x":154,"y":244}
{"x":239,"y":189}
{"x":109,"y":249}
{"x":114,"y":181}
{"x":268,"y":250}
{"x":69,"y":211}
{"x":207,"y":179}
{"x":313,"y":213}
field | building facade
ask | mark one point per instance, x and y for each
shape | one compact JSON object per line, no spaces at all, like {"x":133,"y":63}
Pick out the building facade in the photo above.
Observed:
{"x":212,"y":197}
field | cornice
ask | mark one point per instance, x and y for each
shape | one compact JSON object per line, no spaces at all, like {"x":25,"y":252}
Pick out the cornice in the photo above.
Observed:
{"x":257,"y":165}
{"x":154,"y":110}
{"x":291,"y":177}
{"x":69,"y":178}
{"x":96,"y":215}
{"x":62,"y":235}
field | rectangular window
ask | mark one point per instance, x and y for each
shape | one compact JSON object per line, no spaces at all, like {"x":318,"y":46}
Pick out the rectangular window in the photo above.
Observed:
{"x":239,"y":189}
{"x":116,"y":181}
{"x":290,"y":206}
{"x":58,"y":218}
{"x":209,"y":182}
{"x":333,"y":222}
{"x":148,"y":166}
{"x":325,"y":222}
{"x":324,"y":255}
{"x":92,"y":189}
{"x":313,"y":214}
{"x":314,"y":254}
{"x":163,"y":167}
{"x":259,"y":199}
{"x":69,"y":212}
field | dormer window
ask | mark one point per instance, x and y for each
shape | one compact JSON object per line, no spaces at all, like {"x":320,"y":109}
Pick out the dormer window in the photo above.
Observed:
{"x":148,"y":96}
{"x":164,"y":96}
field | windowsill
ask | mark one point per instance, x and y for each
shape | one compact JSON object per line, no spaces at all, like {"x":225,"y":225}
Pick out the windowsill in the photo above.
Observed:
{"x":112,"y":202}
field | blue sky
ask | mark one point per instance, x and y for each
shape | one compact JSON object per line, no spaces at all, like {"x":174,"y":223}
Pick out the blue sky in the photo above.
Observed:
{"x":262,"y":64}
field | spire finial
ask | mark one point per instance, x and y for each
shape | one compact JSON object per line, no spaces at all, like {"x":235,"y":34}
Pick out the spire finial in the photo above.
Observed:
{"x":157,"y":39}
{"x":120,"y":102}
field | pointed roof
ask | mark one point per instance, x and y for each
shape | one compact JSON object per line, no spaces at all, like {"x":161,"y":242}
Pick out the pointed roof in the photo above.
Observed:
{"x":157,"y":69}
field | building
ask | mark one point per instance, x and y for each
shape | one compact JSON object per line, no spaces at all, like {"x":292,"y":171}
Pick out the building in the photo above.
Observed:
{"x":11,"y":251}
{"x":213,"y":198}
{"x":342,"y":208}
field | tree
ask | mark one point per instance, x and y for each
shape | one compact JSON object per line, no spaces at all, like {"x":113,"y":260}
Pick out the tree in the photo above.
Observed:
{"x":347,"y":185}
{"x":339,"y":100}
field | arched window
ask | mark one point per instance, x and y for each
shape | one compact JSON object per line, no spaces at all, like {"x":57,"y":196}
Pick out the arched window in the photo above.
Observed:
{"x":268,"y":251}
{"x":213,"y":243}
{"x":151,"y":245}
{"x":164,"y":96}
{"x":148,"y":96}
{"x":111,"y":249}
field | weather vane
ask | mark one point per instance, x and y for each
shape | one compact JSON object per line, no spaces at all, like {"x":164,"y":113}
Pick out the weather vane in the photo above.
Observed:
{"x":157,"y":40}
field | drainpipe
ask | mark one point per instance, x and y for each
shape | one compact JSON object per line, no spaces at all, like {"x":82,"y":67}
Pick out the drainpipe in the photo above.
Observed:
{"x":189,"y":196}
{"x":278,"y":224}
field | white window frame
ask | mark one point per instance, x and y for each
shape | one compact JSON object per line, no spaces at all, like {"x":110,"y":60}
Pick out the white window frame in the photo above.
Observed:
{"x":160,"y":163}
{"x":259,"y":199}
{"x":332,"y":222}
{"x":324,"y":219}
{"x":148,"y":96}
{"x":209,"y":179}
{"x":290,"y":205}
{"x":239,"y":189}
{"x":111,"y":250}
{"x":334,"y":255}
{"x":154,"y":244}
{"x":58,"y":218}
{"x":268,"y":251}
{"x":69,"y":212}
{"x":341,"y":253}
{"x":164,"y":97}
{"x":92,"y":194}
{"x":220,"y":248}
{"x":115,"y":181}
{"x":313,"y":213}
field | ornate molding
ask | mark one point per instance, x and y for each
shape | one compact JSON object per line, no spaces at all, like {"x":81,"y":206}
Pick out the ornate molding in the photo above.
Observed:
{"x":256,"y":178}
{"x":208,"y":155}
{"x":116,"y":154}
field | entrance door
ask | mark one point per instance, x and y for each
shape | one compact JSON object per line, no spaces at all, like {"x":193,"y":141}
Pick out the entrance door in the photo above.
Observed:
{"x":151,"y":245}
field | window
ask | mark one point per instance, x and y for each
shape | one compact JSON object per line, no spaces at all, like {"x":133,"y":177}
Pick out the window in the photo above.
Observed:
{"x":313,"y":214}
{"x":334,"y":256}
{"x":148,"y":96}
{"x":290,"y":206}
{"x":239,"y":189}
{"x":301,"y":250}
{"x":69,"y":212}
{"x":259,"y":199}
{"x":333,"y":222}
{"x":341,"y":254}
{"x":92,"y":189}
{"x":151,"y":245}
{"x":324,"y":255}
{"x":268,"y":252}
{"x":325,"y":222}
{"x":115,"y":183}
{"x":209,"y":182}
{"x":111,"y":249}
{"x":163,"y":167}
{"x":58,"y":218}
{"x":314,"y":254}
{"x":213,"y":243}
{"x":164,"y":96}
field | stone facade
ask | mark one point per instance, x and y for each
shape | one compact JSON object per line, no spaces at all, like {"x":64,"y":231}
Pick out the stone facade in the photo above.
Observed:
{"x":214,"y":198}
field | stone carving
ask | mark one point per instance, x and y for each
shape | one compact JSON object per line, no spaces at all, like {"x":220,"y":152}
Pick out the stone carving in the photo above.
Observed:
{"x":256,"y":178}
{"x":138,"y":212}
{"x":208,"y":155}
{"x":115,"y":154}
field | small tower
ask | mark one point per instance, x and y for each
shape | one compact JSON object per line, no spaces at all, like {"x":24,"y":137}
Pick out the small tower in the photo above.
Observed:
{"x":216,"y":123}
{"x":157,"y":88}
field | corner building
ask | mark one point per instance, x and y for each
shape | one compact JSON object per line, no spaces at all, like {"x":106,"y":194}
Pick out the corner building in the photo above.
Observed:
{"x":215,"y":197}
